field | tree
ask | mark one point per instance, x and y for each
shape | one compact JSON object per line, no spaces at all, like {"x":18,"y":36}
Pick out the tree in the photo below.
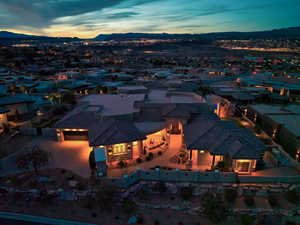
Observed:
{"x":69,"y":98}
{"x":33,"y":159}
{"x":92,"y":161}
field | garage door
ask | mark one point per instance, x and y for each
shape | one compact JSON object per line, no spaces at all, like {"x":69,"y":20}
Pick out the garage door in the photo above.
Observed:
{"x":75,"y":135}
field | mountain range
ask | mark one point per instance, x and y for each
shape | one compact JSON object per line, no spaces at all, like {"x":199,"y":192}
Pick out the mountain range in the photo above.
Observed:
{"x":289,"y":33}
{"x":18,"y":36}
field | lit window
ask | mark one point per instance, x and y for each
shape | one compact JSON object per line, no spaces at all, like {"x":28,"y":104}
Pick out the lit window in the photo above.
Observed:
{"x":119,"y":149}
{"x":243,"y":166}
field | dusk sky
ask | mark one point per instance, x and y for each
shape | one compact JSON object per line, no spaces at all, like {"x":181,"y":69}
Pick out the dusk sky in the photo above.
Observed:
{"x":88,"y":18}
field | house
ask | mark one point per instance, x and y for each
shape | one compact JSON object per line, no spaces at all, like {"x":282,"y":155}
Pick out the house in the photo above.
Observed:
{"x":281,"y":122}
{"x":18,"y":105}
{"x":3,"y":117}
{"x":127,"y":127}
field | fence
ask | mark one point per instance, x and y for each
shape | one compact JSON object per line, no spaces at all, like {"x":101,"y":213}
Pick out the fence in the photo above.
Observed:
{"x":178,"y":176}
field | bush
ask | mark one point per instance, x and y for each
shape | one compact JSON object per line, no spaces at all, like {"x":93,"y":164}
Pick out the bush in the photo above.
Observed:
{"x":156,"y":222}
{"x":290,"y":223}
{"x":139,"y":160}
{"x":214,"y":207}
{"x":273,"y":200}
{"x":161,"y":187}
{"x":292,"y":196}
{"x":249,"y":200}
{"x":150,"y":154}
{"x":230,"y":195}
{"x":140,"y":220}
{"x":159,"y":153}
{"x":222,"y":166}
{"x":128,"y":206}
{"x":81,"y":186}
{"x":257,"y":129}
{"x":186,"y":193}
{"x":122,"y":164}
{"x":246,"y":220}
{"x":148,"y":158}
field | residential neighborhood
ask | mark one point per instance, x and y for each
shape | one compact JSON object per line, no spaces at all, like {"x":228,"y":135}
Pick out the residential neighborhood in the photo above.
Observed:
{"x":150,"y":128}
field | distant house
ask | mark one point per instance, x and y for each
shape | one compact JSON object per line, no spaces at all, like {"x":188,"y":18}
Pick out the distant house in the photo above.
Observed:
{"x":129,"y":126}
{"x":18,"y":105}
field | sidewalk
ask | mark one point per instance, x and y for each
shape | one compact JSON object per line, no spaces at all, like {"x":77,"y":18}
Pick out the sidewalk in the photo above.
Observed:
{"x":39,"y":220}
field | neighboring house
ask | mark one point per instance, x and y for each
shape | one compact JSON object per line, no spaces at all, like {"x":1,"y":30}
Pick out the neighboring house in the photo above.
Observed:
{"x":127,"y":127}
{"x":3,"y":116}
{"x":281,"y":122}
{"x":18,"y":105}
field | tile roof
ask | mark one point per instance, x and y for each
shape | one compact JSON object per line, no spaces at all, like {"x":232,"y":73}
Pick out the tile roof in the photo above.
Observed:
{"x":222,"y":138}
{"x":114,"y":131}
{"x":11,"y":99}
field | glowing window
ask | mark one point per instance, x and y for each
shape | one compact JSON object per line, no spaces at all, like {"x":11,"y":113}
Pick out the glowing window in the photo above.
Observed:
{"x":119,"y":149}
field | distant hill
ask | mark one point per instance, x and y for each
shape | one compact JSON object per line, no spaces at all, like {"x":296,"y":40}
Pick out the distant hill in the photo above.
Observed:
{"x":6,"y":36}
{"x":290,"y":33}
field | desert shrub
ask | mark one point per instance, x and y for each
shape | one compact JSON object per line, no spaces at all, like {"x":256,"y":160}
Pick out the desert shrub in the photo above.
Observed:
{"x":249,"y":200}
{"x":257,"y":129}
{"x":16,"y":181}
{"x":156,"y":222}
{"x":81,"y":186}
{"x":18,"y":196}
{"x":140,"y":220}
{"x":71,"y":177}
{"x":122,"y":164}
{"x":273,"y":200}
{"x":222,"y":166}
{"x":246,"y":220}
{"x":290,"y":223}
{"x":230,"y":194}
{"x":150,"y":154}
{"x":139,"y":160}
{"x":88,"y":203}
{"x":128,"y":206}
{"x":33,"y":184}
{"x":292,"y":196}
{"x":161,"y":187}
{"x":186,"y":193}
{"x":105,"y":195}
{"x":214,"y":207}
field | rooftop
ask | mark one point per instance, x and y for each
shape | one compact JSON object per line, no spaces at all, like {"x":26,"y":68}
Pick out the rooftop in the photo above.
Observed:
{"x":114,"y":104}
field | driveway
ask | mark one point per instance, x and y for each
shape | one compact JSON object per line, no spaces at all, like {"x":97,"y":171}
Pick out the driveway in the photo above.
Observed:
{"x":70,"y":155}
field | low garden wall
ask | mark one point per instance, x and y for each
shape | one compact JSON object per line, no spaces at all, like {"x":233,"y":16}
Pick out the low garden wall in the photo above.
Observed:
{"x":178,"y":176}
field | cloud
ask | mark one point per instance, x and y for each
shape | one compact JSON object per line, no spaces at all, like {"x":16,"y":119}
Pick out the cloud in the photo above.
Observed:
{"x":122,"y":15}
{"x":42,"y":13}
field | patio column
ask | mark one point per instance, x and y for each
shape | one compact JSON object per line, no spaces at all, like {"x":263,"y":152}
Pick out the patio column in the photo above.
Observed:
{"x":213,"y":162}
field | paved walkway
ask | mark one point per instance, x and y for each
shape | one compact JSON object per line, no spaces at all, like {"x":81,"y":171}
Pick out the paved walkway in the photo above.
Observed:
{"x":71,"y":155}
